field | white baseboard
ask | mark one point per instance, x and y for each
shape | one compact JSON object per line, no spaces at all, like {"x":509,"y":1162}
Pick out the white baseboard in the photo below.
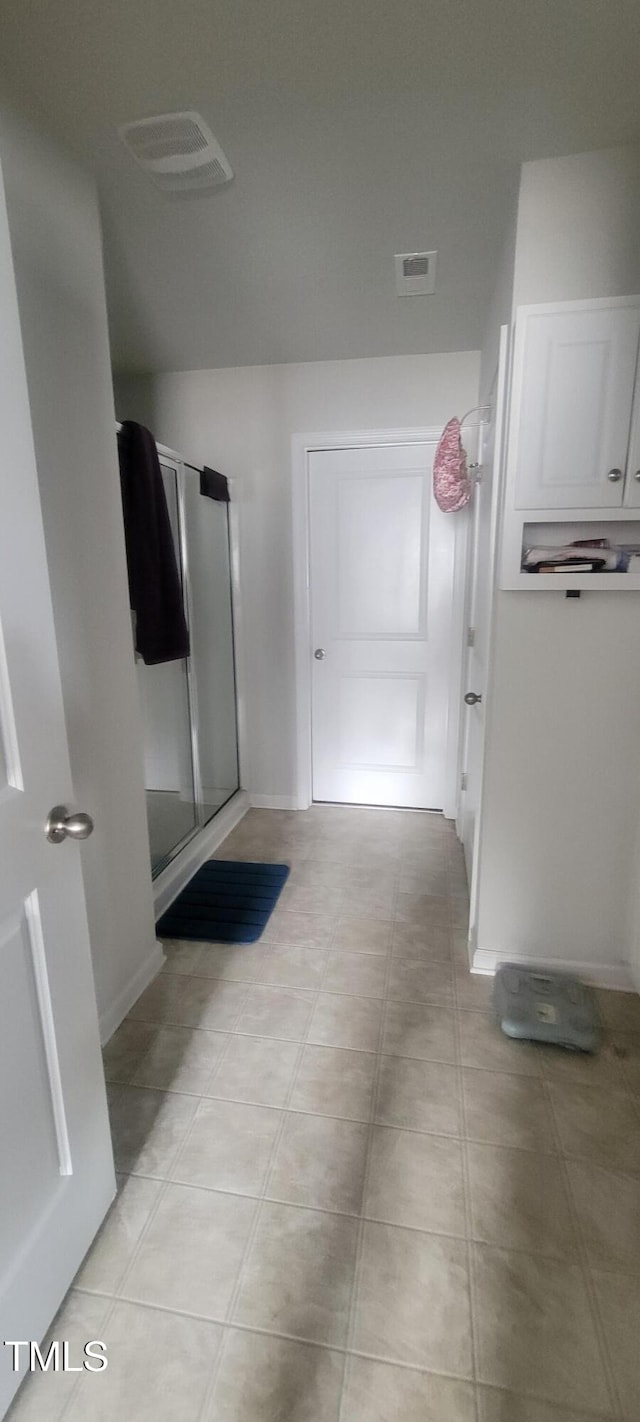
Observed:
{"x":603,"y":975}
{"x":274,"y":802}
{"x":144,"y":974}
{"x":168,"y":884}
{"x":295,"y":802}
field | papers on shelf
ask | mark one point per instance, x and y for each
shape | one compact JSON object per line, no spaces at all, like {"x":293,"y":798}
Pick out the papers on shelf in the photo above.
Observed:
{"x":572,"y":559}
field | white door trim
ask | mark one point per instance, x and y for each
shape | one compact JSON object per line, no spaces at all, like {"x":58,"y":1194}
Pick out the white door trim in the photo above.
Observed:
{"x":502,"y":399}
{"x":302,"y":445}
{"x":498,"y":397}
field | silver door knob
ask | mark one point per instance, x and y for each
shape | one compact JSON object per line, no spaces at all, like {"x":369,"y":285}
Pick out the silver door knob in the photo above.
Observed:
{"x":63,"y":825}
{"x":319,"y":654}
{"x":614,"y":476}
{"x":637,"y":475}
{"x":472,"y":698}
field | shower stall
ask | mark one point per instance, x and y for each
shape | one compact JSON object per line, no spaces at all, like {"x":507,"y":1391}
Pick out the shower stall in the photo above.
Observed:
{"x":189,"y":707}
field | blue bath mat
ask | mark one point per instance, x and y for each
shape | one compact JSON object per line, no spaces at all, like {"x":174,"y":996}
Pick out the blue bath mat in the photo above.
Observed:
{"x":225,"y":902}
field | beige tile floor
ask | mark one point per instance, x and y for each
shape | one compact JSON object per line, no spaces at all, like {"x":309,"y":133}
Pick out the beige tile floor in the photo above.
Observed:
{"x":343,"y":1195}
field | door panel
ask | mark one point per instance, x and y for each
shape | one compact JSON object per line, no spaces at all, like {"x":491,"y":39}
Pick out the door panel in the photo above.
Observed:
{"x":37,"y":1158}
{"x":576,"y":375}
{"x":381,"y":600}
{"x":632,"y":484}
{"x":3,"y":758}
{"x":57,"y":1175}
{"x":379,"y":721}
{"x":380,"y":526}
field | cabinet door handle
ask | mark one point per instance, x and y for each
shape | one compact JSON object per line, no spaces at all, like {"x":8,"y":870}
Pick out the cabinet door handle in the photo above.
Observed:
{"x":637,"y":475}
{"x":615,"y":475}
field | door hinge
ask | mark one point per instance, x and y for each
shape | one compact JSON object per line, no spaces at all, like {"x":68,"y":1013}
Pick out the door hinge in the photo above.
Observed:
{"x":471,"y":636}
{"x":464,"y":780}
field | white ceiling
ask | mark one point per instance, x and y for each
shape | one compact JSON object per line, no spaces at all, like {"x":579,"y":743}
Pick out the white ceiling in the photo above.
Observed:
{"x":356,"y":129}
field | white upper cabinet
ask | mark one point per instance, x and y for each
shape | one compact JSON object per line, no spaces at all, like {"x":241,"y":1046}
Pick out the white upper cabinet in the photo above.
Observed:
{"x":572,"y":406}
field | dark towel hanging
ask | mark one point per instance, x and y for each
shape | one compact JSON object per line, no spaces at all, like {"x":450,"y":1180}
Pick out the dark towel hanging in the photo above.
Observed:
{"x":155,"y":592}
{"x":214,"y":485}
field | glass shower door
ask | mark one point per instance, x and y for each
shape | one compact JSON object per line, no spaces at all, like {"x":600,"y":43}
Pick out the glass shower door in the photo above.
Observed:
{"x":166,"y":718}
{"x":213,"y":680}
{"x":188,"y":707}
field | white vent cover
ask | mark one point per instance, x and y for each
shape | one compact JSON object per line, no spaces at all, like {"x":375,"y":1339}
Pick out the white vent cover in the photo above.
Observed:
{"x":415,"y":273}
{"x":178,"y":151}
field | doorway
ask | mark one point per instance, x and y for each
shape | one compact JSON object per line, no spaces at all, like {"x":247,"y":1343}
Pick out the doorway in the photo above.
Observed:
{"x":379,"y":604}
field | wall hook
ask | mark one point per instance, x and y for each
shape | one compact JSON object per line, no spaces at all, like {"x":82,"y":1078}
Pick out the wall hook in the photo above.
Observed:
{"x":476,"y":410}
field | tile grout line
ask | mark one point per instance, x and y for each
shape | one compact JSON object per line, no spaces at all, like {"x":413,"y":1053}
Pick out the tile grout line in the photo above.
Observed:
{"x":444,"y":999}
{"x":164,"y":1186}
{"x":205,"y":1095}
{"x":129,"y":1080}
{"x":190,"y":1095}
{"x":212,"y":1384}
{"x":112,"y":1304}
{"x":182,"y":1091}
{"x":350,"y":1297}
{"x":466,"y":1187}
{"x":384,"y":1125}
{"x":345,"y":1214}
{"x":251,"y":1236}
{"x":198,"y":1097}
{"x":359,"y":1244}
{"x":445,"y":1003}
{"x":116,"y":1297}
{"x":388,"y":1359}
{"x":166,"y":1181}
{"x":583,"y":1259}
{"x":252,"y":1328}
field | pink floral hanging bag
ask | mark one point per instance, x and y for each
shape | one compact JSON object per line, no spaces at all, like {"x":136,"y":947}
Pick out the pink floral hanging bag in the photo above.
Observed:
{"x":451,"y":482}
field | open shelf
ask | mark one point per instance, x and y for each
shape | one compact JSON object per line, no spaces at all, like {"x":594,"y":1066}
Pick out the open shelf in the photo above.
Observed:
{"x":527,"y":529}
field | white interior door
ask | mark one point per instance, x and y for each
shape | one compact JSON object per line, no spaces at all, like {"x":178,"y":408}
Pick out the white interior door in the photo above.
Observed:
{"x":57,"y":1170}
{"x":480,"y":605}
{"x":382,"y":568}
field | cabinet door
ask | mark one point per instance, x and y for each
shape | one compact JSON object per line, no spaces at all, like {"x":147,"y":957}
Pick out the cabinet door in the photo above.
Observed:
{"x":632,"y":485}
{"x":573,"y":391}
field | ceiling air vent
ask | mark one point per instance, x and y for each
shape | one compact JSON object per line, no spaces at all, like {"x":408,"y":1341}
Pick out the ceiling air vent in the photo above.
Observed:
{"x":178,"y":151}
{"x":415,"y":273}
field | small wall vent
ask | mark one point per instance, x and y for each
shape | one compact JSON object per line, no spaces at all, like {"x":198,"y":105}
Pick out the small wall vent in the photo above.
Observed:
{"x":415,"y":273}
{"x":178,"y":151}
